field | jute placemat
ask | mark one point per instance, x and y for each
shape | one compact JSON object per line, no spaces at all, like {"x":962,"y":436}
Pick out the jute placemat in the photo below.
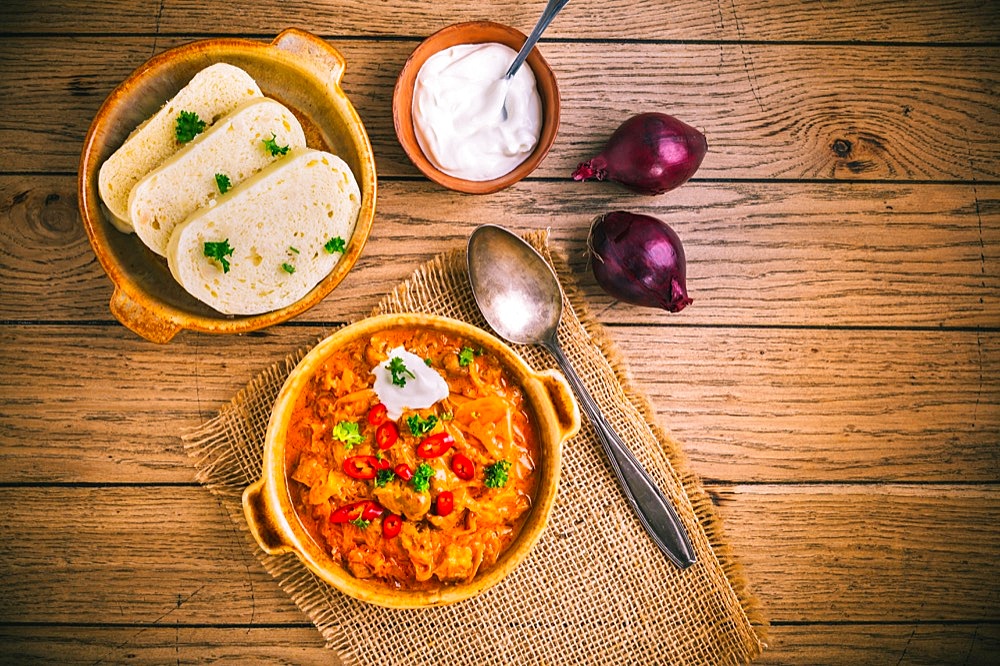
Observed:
{"x":595,"y":590}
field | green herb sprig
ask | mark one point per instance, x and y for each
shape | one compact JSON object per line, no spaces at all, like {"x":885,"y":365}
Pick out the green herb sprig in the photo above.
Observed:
{"x":188,"y":126}
{"x":219,"y":251}
{"x":497,"y":474}
{"x":399,"y":371}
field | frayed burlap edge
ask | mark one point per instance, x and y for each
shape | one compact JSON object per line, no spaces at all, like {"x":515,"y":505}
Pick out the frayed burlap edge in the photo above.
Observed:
{"x":224,"y":473}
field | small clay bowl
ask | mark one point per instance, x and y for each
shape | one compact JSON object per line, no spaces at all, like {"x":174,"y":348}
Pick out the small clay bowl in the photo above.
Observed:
{"x":474,"y":32}
{"x":299,"y":70}
{"x":273,"y":518}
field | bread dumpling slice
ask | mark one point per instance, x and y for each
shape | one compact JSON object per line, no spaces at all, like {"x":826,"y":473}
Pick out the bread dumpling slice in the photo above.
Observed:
{"x":269,"y":241}
{"x":237,"y":146}
{"x":212,"y":93}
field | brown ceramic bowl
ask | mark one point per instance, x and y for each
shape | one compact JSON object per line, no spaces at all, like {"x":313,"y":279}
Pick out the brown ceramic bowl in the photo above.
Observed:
{"x":475,"y":32}
{"x":297,"y":69}
{"x":274,"y":522}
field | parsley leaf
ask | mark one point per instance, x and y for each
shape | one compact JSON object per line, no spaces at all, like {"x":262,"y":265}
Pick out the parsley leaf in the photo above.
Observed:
{"x":496,"y":474}
{"x":360,"y":523}
{"x":421,"y":426}
{"x":189,"y":125}
{"x":421,"y":480}
{"x":466,"y":355}
{"x":222,"y":182}
{"x":288,"y":268}
{"x":272,"y":146}
{"x":399,"y":370}
{"x":384,"y":476}
{"x":348,"y":433}
{"x":335,"y":244}
{"x":219,"y":251}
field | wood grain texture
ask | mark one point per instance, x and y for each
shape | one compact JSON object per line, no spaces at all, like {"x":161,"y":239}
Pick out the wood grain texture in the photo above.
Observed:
{"x":852,"y":20}
{"x":840,"y":553}
{"x":791,"y":405}
{"x":768,"y":111}
{"x":785,"y":254}
{"x":804,"y":645}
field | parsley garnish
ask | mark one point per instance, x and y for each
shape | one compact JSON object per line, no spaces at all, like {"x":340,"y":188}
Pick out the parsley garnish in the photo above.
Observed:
{"x":496,"y":474}
{"x":335,"y":244}
{"x":222,"y":182}
{"x":219,"y":251}
{"x":189,"y":125}
{"x":288,"y":268}
{"x":360,"y":523}
{"x":293,"y":249}
{"x":422,"y":478}
{"x":272,"y":146}
{"x":419,"y":425}
{"x":398,"y":370}
{"x":383,"y":476}
{"x":466,"y":355}
{"x":428,"y":362}
{"x":348,"y":433}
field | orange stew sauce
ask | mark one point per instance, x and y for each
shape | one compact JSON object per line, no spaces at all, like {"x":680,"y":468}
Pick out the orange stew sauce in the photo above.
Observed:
{"x":394,"y":527}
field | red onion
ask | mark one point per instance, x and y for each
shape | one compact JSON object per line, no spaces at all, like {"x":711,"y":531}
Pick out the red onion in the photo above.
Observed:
{"x":639,"y":259}
{"x":650,"y":153}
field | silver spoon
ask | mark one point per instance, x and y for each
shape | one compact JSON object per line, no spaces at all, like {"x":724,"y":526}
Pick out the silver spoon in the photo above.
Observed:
{"x":518,"y":294}
{"x":548,"y":14}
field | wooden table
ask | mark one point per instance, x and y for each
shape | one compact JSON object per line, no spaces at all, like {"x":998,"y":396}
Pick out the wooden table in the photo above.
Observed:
{"x":836,"y":383}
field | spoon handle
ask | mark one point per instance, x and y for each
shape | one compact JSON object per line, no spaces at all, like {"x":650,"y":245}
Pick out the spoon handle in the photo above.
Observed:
{"x":655,"y":512}
{"x":548,"y":14}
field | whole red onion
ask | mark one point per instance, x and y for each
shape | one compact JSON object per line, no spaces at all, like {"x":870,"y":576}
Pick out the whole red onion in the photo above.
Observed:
{"x":650,"y":153}
{"x":640,"y":260}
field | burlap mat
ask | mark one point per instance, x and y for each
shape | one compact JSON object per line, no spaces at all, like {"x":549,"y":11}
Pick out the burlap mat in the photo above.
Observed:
{"x":595,"y":590}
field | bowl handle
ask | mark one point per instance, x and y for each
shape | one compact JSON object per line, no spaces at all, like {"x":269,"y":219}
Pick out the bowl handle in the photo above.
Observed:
{"x":260,"y":519}
{"x":317,"y":53}
{"x":567,"y":411}
{"x":141,"y":320}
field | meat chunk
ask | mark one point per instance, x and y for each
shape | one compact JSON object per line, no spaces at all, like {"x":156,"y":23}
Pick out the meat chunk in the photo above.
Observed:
{"x":403,"y":500}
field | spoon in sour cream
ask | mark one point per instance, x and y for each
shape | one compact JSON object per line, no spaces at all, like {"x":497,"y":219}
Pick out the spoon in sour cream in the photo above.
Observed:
{"x":551,"y":9}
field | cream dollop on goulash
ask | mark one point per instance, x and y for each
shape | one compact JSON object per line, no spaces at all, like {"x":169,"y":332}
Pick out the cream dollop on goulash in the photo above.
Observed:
{"x":433,"y":496}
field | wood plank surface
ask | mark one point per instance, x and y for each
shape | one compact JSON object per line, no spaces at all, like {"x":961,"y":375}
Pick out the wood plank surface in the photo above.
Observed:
{"x":825,"y":553}
{"x":788,"y":111}
{"x":924,"y":406}
{"x":750,"y":20}
{"x":786,"y":254}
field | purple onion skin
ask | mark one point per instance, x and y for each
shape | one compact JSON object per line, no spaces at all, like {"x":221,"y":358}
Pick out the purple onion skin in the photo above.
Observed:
{"x":640,"y":260}
{"x":650,"y":153}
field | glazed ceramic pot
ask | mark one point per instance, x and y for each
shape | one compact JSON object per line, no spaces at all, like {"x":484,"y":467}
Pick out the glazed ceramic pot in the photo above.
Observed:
{"x":268,"y":503}
{"x":475,"y":32}
{"x":297,"y":69}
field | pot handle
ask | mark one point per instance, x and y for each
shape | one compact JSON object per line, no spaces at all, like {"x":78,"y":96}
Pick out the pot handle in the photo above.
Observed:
{"x":260,"y":520}
{"x":321,"y":56}
{"x":142,"y":320}
{"x":567,"y":411}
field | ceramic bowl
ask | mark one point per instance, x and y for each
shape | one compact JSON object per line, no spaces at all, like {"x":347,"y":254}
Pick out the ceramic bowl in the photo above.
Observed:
{"x":297,"y":69}
{"x":475,"y":32}
{"x":273,"y":519}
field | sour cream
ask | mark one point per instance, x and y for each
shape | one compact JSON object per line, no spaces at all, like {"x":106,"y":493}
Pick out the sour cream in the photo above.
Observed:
{"x":422,"y":386}
{"x":458,"y":101}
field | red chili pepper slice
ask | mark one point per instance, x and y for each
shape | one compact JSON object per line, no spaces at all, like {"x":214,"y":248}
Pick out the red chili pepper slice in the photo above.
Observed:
{"x":435,"y":445}
{"x":383,"y":463}
{"x":391,"y":525}
{"x":386,"y":435}
{"x":378,"y":414}
{"x":361,"y":467}
{"x":365,"y":510}
{"x":445,"y":503}
{"x":403,"y":471}
{"x":463,"y":467}
{"x":371,"y":510}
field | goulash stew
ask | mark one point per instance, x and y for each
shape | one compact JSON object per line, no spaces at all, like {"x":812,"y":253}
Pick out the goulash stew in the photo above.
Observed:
{"x":411,"y":457}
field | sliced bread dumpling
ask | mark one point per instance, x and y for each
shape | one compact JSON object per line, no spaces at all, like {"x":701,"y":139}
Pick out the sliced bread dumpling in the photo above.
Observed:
{"x":237,"y":146}
{"x":268,"y":242}
{"x":212,"y":93}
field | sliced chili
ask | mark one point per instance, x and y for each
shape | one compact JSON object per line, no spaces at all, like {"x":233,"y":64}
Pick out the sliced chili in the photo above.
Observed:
{"x":386,"y":435}
{"x":365,"y":510}
{"x":361,"y":467}
{"x":445,"y":503}
{"x":391,"y":525}
{"x":463,"y":467}
{"x":435,"y":445}
{"x":403,"y":471}
{"x":383,"y":463}
{"x":378,"y":414}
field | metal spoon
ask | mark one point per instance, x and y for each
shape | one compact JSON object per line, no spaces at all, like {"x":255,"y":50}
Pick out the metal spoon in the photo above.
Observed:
{"x":548,"y":14}
{"x":518,"y":294}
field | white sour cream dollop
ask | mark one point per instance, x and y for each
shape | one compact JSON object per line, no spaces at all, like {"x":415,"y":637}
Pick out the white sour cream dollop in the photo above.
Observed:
{"x":420,"y":391}
{"x":458,"y":98}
